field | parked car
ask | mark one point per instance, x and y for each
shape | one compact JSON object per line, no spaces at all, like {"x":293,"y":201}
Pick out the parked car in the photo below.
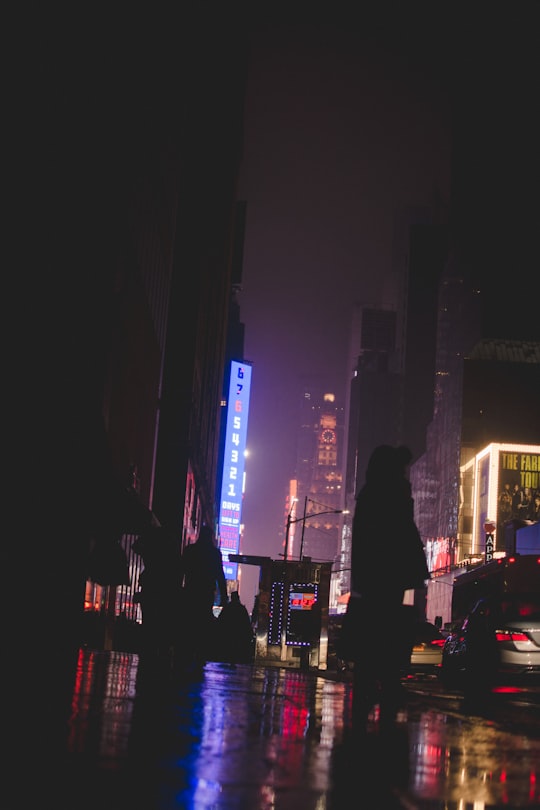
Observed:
{"x":428,"y":643}
{"x":425,"y":656}
{"x":497,"y":642}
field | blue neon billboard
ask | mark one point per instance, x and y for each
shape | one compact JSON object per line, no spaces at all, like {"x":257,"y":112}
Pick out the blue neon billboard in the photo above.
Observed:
{"x":232,"y":483}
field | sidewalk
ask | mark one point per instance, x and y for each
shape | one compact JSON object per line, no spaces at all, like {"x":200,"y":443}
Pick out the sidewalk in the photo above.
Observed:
{"x":224,"y":736}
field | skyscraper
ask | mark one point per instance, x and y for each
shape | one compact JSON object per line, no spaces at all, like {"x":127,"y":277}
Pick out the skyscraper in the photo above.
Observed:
{"x":318,"y":472}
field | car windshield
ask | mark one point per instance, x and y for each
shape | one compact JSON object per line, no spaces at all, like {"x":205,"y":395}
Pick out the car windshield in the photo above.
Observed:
{"x":523,"y":606}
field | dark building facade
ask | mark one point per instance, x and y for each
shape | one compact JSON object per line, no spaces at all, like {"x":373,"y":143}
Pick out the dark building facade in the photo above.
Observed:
{"x":132,"y":178}
{"x":428,"y":251}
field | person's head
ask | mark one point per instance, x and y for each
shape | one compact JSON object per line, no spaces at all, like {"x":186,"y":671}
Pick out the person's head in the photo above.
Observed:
{"x":206,"y":535}
{"x":381,"y":461}
{"x":387,"y":464}
{"x":404,"y":457}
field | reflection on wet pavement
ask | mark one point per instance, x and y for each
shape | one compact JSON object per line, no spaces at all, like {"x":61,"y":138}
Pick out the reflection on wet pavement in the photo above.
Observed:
{"x":240,"y":736}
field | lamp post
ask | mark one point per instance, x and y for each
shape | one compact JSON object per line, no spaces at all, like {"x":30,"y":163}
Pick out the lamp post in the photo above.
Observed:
{"x":306,"y":517}
{"x":290,"y":521}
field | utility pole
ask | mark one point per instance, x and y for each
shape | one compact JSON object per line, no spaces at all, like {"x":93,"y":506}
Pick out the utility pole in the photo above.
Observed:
{"x":286,"y":552}
{"x":306,"y":517}
{"x":303,"y":529}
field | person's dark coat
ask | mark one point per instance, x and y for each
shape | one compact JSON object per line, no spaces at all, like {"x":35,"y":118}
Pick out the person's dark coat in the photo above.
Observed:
{"x":160,"y":583}
{"x":234,"y":633}
{"x":387,"y":559}
{"x":202,"y":572}
{"x":387,"y":551}
{"x":202,"y":576}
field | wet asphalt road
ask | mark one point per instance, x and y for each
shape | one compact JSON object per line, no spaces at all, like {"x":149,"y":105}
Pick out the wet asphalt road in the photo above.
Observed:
{"x":222,"y":736}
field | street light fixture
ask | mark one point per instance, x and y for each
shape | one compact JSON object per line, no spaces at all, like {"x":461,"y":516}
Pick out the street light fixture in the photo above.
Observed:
{"x":290,"y":521}
{"x":312,"y":515}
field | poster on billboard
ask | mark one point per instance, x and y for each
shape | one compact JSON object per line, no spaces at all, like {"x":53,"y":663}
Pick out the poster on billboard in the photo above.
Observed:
{"x":518,"y":495}
{"x":440,"y":554}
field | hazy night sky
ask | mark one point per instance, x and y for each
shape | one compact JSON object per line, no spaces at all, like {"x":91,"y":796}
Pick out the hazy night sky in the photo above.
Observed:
{"x":345,"y":126}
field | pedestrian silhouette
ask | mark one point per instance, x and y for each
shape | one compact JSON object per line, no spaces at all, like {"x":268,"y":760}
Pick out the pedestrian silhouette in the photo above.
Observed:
{"x":255,"y":612}
{"x":203,"y":577}
{"x":234,"y":633}
{"x":387,"y":559}
{"x":160,"y":594}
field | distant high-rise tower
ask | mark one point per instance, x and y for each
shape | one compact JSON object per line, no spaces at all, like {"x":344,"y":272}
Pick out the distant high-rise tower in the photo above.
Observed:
{"x":374,"y":407}
{"x":319,"y":473}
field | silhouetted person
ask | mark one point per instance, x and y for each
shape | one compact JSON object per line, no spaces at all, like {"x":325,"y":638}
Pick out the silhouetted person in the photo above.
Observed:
{"x":160,"y":598}
{"x":203,"y":576}
{"x":387,"y":559}
{"x":234,"y":633}
{"x":255,"y":612}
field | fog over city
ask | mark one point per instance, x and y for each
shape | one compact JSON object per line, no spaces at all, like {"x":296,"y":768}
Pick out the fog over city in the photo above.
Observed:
{"x":136,"y":141}
{"x":348,"y":128}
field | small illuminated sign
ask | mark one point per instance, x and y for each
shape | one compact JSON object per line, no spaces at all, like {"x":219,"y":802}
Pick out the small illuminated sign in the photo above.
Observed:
{"x":302,"y":601}
{"x":302,"y":618}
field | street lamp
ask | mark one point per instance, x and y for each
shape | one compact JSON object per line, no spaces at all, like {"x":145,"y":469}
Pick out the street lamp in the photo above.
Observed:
{"x":312,"y":515}
{"x":290,"y":521}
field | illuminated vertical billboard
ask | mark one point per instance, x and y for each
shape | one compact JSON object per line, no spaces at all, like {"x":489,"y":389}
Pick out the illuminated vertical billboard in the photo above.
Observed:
{"x":232,"y":483}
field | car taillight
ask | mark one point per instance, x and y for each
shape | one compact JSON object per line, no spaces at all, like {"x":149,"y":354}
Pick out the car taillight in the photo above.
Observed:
{"x":438,"y":642}
{"x":511,"y":635}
